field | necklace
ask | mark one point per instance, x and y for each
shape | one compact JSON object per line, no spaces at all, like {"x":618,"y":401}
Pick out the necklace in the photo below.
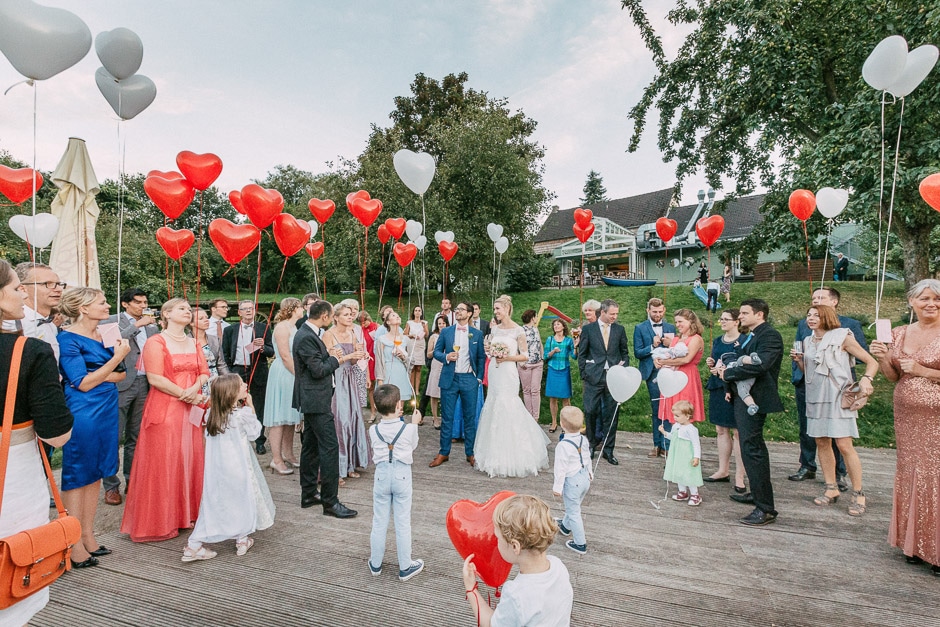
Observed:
{"x":178,"y":338}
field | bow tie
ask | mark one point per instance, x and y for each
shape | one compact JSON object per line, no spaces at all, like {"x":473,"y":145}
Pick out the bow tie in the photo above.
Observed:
{"x":461,"y":328}
{"x":657,"y":324}
{"x":41,"y":321}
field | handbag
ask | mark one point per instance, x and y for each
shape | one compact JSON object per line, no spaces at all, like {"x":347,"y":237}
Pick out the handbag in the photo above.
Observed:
{"x":852,"y":397}
{"x":32,"y":559}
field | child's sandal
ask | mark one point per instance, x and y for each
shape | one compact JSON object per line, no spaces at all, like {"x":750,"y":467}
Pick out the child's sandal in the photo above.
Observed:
{"x":680,"y":496}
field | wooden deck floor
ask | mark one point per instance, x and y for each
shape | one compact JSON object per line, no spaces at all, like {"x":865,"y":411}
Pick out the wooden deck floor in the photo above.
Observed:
{"x":815,"y":566}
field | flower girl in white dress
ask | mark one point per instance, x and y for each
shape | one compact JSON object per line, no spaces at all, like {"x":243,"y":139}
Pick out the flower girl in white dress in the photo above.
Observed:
{"x":235,"y":498}
{"x":508,"y":443}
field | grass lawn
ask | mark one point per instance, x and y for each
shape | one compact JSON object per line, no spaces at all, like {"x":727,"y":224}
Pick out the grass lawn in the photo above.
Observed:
{"x":788,"y":303}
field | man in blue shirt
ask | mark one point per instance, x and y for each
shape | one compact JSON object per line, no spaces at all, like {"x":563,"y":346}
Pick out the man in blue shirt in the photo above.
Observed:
{"x":823,"y":296}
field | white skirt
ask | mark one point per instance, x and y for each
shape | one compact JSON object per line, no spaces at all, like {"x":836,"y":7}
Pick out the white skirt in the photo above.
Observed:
{"x":25,"y":506}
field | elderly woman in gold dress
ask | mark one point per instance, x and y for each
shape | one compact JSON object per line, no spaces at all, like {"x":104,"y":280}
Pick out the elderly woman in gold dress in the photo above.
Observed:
{"x":913,"y":361}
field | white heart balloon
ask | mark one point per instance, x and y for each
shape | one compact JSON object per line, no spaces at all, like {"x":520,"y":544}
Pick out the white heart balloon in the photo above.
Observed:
{"x":886,"y":62}
{"x":127,"y":98}
{"x":413,"y":229}
{"x":502,"y":245}
{"x":314,"y":227}
{"x":41,"y":41}
{"x":671,"y":382}
{"x":495,"y":231}
{"x":38,"y":230}
{"x":421,"y":241}
{"x":120,"y":51}
{"x":415,"y":169}
{"x":831,"y":202}
{"x":920,"y":62}
{"x":443,"y":236}
{"x":623,"y":382}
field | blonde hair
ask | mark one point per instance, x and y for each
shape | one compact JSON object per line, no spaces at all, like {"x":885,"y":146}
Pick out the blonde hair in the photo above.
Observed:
{"x":169,"y":305}
{"x":685,"y":408}
{"x":288,"y":307}
{"x":352,"y":303}
{"x":571,"y":417}
{"x":75,"y":298}
{"x":506,"y":301}
{"x":223,"y":396}
{"x":340,"y":306}
{"x":696,"y":326}
{"x":527,"y":520}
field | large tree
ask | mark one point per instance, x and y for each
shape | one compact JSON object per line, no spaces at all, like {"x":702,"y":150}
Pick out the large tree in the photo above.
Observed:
{"x":594,"y":190}
{"x":770,"y":93}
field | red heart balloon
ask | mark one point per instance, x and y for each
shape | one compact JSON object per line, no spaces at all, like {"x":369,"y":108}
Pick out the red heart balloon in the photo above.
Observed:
{"x":261,"y":205}
{"x":471,"y":530}
{"x":930,"y":190}
{"x":17,"y":185}
{"x":366,"y":211}
{"x":666,"y":229}
{"x":235,"y":197}
{"x":395,"y":226}
{"x":175,"y":243}
{"x":314,"y":249}
{"x":383,"y":233}
{"x":583,"y":217}
{"x":447,"y":249}
{"x":290,"y":234}
{"x":709,"y":229}
{"x":405,"y":253}
{"x":802,"y":204}
{"x":171,"y":196}
{"x":583,"y":232}
{"x":170,"y":176}
{"x":233,"y":241}
{"x":322,"y":210}
{"x":200,"y":170}
{"x":361,"y":194}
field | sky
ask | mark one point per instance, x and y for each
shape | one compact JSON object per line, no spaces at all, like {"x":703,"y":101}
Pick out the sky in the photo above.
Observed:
{"x":300,"y":82}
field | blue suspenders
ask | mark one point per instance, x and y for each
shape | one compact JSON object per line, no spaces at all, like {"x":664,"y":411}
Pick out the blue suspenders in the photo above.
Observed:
{"x":391,"y":445}
{"x":577,"y":446}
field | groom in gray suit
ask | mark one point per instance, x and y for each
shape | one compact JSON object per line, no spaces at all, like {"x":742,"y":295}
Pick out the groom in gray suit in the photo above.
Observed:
{"x":136,"y":325}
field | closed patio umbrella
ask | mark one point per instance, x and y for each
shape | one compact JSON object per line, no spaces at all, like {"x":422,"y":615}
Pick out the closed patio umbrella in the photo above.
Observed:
{"x":74,"y":255}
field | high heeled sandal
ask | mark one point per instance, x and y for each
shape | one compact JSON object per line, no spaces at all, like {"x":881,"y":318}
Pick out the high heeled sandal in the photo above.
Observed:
{"x":856,"y":508}
{"x":825,"y":499}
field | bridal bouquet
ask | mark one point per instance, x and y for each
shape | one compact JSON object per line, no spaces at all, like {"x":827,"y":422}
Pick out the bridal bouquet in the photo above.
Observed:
{"x":498,"y":349}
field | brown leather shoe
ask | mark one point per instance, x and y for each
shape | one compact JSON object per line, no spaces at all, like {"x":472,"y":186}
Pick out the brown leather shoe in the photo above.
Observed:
{"x":113,"y":496}
{"x":471,"y":460}
{"x":654,"y":452}
{"x":662,"y":452}
{"x":437,"y":461}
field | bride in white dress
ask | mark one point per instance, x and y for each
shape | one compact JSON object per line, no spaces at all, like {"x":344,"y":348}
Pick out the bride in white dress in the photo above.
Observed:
{"x":508,"y":443}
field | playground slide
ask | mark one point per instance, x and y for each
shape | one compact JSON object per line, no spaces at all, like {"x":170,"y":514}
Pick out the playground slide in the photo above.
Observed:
{"x":546,"y":307}
{"x":559,"y":314}
{"x":702,"y":295}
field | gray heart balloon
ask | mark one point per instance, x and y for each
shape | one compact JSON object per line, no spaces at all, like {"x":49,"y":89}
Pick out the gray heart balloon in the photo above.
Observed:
{"x":128,"y":97}
{"x":120,"y":51}
{"x":41,"y":41}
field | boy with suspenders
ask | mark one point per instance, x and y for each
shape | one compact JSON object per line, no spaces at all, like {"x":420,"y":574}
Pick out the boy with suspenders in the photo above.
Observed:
{"x":393,"y":445}
{"x":573,"y":476}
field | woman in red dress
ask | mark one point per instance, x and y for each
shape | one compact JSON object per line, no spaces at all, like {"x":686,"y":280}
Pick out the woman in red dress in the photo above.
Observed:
{"x":690,"y":331}
{"x":166,"y":479}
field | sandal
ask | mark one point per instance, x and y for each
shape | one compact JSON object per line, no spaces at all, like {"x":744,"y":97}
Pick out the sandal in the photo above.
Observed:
{"x":202,"y":553}
{"x":242,"y":547}
{"x":553,"y":429}
{"x":856,"y":508}
{"x":680,"y":496}
{"x":825,"y":499}
{"x":354,"y":475}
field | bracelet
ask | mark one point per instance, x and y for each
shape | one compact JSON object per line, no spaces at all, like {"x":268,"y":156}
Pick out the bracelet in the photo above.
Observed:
{"x":471,"y":590}
{"x":869,"y":377}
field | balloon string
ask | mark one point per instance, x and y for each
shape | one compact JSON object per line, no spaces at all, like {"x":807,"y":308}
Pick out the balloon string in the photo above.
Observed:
{"x":711,"y":327}
{"x":582,"y":276}
{"x":894,"y":182}
{"x":809,"y":276}
{"x":121,"y":210}
{"x":822,"y":279}
{"x":613,"y":425}
{"x":362,"y":281}
{"x":665,"y":271}
{"x":202,"y":194}
{"x":446,"y":276}
{"x":381,"y":275}
{"x":35,"y":118}
{"x":881,"y":195}
{"x":387,"y":266}
{"x":494,"y":285}
{"x":401,"y":280}
{"x":323,"y":240}
{"x":316,"y":280}
{"x":424,"y":270}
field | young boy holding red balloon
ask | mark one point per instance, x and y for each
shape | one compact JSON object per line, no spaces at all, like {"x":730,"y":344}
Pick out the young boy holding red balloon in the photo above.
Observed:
{"x":393,"y":445}
{"x":541,"y":593}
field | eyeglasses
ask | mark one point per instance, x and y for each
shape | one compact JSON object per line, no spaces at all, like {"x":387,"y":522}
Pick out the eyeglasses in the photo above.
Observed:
{"x":726,"y":320}
{"x":49,"y":285}
{"x":461,"y":309}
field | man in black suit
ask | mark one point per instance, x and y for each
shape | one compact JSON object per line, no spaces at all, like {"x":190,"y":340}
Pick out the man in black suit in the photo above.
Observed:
{"x":768,"y":344}
{"x":136,"y":325}
{"x":246,"y":347}
{"x":477,"y":322}
{"x":313,"y":394}
{"x":603,"y":344}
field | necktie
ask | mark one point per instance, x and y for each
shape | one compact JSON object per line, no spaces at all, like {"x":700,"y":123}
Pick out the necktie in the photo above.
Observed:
{"x":218,"y":329}
{"x":605,"y":331}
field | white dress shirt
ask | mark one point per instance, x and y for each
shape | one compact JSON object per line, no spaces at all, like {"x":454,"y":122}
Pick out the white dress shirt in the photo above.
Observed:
{"x":404,"y":447}
{"x":34,"y":325}
{"x":141,"y":338}
{"x":213,"y":329}
{"x":568,"y":462}
{"x":246,"y":335}
{"x":462,"y":339}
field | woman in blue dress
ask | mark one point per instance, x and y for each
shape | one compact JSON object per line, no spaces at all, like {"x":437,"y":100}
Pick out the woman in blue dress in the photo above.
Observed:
{"x":279,"y":415}
{"x":89,"y":373}
{"x":391,"y":356}
{"x":720,"y":409}
{"x":559,"y":351}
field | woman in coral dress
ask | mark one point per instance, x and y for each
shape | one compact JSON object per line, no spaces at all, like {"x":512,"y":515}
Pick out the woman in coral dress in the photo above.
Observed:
{"x":166,"y":479}
{"x":689,"y":328}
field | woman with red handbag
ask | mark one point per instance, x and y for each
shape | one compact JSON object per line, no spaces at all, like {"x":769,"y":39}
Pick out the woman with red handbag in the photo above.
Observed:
{"x":39,"y":410}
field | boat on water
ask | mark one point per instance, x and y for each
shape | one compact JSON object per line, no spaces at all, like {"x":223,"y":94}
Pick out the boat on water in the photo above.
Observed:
{"x":615,"y":282}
